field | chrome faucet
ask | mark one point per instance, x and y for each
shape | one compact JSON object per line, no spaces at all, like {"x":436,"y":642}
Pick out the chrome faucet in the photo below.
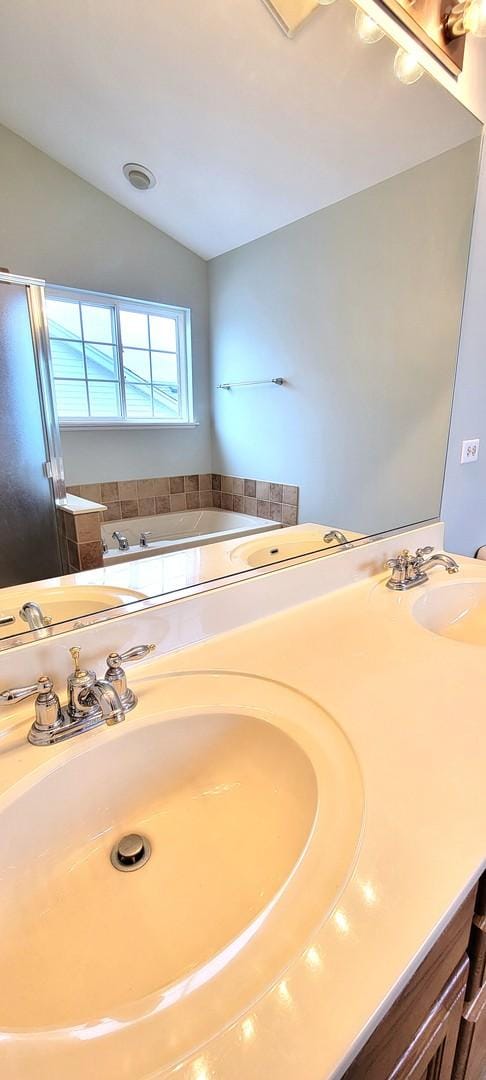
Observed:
{"x":144,"y":538}
{"x":123,"y":544}
{"x":32,"y":614}
{"x":91,"y":701}
{"x":336,"y":535}
{"x":90,"y":698}
{"x":409,"y":570}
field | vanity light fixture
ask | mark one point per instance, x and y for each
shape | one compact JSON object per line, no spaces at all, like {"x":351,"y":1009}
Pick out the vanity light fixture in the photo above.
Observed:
{"x":467,"y":17}
{"x":366,"y":28}
{"x":290,"y":14}
{"x":406,"y":67}
{"x":139,"y":176}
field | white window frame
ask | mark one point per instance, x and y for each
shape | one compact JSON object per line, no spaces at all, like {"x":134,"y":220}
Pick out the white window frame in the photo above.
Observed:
{"x":182,"y":316}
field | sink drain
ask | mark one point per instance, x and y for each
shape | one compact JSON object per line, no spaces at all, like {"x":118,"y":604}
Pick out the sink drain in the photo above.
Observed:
{"x":131,"y":852}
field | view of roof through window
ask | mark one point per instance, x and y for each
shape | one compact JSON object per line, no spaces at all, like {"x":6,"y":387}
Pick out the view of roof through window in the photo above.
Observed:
{"x":117,"y":361}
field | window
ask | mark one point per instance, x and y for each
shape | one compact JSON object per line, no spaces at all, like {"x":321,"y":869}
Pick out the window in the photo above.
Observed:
{"x":118,"y":362}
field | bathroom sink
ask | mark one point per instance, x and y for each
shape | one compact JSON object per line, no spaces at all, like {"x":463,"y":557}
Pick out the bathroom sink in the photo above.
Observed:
{"x":253,"y":817}
{"x":65,"y":602}
{"x":287,"y":544}
{"x":455,"y":611}
{"x":258,"y":554}
{"x":280,"y":545}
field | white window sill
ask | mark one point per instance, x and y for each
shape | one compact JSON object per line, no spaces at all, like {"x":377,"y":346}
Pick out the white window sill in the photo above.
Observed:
{"x":125,"y":425}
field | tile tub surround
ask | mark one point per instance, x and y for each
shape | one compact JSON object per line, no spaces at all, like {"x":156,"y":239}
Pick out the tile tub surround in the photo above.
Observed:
{"x":169,"y":494}
{"x":80,"y":540}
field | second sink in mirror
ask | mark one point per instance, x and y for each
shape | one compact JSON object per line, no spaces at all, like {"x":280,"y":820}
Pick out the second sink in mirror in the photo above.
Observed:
{"x":61,"y":603}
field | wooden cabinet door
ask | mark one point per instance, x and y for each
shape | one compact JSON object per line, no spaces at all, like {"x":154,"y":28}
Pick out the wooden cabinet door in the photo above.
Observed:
{"x":477,"y":957}
{"x":470,"y":1063}
{"x":431,"y":1053}
{"x":427,"y":1054}
{"x":417,"y":1037}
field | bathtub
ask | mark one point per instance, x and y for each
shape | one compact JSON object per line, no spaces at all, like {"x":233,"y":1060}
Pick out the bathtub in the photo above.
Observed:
{"x":171,"y":532}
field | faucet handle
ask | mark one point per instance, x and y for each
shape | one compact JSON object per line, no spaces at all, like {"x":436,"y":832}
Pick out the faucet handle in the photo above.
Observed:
{"x":420,"y":552}
{"x":9,"y":697}
{"x":48,"y":715}
{"x":116,"y":675}
{"x":398,"y":562}
{"x":114,"y":660}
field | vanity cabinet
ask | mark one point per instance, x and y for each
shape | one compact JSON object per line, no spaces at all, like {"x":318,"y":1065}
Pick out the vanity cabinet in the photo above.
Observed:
{"x":470,"y":1062}
{"x":418,"y":1038}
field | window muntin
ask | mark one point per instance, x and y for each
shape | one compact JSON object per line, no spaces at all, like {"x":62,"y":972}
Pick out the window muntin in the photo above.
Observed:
{"x":118,"y":361}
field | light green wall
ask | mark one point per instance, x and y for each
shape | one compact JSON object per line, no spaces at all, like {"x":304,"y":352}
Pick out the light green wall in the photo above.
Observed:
{"x":358,"y":306}
{"x":54,"y":225}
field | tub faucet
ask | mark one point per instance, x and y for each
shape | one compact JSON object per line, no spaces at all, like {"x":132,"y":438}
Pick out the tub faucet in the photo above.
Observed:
{"x":409,"y":570}
{"x":123,"y":544}
{"x":32,"y":614}
{"x":144,"y":538}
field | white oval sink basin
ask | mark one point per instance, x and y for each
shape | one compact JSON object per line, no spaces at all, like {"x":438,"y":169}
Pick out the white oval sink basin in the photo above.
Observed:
{"x":65,"y":602}
{"x":258,"y":554}
{"x":455,"y":611}
{"x":287,"y":543}
{"x":253,"y":814}
{"x":281,"y":544}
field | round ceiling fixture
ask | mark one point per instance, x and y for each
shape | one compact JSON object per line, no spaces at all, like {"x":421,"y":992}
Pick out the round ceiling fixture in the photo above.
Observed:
{"x":139,"y":176}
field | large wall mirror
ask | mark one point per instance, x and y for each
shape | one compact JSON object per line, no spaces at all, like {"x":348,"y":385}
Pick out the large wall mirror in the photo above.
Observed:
{"x":252,"y":329}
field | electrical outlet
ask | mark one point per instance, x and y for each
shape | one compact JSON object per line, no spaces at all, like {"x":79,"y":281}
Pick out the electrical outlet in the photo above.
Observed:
{"x":470,"y":451}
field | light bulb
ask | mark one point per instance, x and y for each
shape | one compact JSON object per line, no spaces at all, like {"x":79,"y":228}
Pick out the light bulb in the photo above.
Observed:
{"x":366,"y":27}
{"x":475,"y":17}
{"x":406,"y":67}
{"x":326,"y":3}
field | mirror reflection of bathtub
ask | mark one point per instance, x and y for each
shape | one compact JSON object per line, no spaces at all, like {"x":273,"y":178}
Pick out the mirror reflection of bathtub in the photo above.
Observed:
{"x":173,"y":532}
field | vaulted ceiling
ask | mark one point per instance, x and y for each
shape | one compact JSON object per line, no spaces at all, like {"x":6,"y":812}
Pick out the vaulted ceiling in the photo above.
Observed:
{"x":244,"y":129}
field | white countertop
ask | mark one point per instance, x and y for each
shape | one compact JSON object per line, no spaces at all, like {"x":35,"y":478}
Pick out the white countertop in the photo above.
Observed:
{"x":413,"y":706}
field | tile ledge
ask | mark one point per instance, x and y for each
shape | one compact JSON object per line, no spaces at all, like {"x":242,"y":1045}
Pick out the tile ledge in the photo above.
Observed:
{"x":73,"y":504}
